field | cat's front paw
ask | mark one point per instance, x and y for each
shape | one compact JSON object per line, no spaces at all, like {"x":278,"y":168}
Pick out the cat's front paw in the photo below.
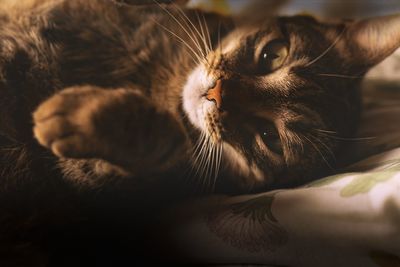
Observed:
{"x":120,"y":126}
{"x":65,"y":122}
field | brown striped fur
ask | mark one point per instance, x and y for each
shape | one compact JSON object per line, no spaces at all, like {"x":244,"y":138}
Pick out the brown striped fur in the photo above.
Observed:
{"x":108,"y":92}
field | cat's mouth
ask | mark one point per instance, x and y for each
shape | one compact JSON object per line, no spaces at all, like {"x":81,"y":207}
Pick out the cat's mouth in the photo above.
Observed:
{"x":202,"y":112}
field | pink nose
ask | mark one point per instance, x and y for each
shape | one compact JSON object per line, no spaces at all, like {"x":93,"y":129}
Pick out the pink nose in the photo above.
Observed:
{"x":214,"y":94}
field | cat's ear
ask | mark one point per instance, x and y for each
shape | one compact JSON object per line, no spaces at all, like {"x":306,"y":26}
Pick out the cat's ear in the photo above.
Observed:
{"x":371,"y":40}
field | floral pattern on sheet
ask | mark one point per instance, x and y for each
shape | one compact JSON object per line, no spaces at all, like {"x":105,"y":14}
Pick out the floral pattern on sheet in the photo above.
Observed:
{"x":249,"y":225}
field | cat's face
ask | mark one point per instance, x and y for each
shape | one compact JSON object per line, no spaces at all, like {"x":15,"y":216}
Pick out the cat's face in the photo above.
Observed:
{"x":272,"y":100}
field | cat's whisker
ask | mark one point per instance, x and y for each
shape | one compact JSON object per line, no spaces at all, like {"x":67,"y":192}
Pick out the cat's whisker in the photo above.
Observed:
{"x":208,"y":173}
{"x":319,"y":152}
{"x":197,"y":175}
{"x":197,"y":147}
{"x":183,"y":28}
{"x":201,"y":161}
{"x":218,"y":163}
{"x":290,"y":145}
{"x":200,"y":171}
{"x":205,"y":144}
{"x":339,"y":76}
{"x":190,"y":25}
{"x":195,"y":34}
{"x":191,"y":168}
{"x":195,"y":56}
{"x":327,"y":148}
{"x":207,"y":33}
{"x":203,"y":167}
{"x":361,"y":139}
{"x":213,"y":167}
{"x":195,"y":159}
{"x":326,"y":131}
{"x":203,"y":37}
{"x":209,"y":166}
{"x":221,"y":149}
{"x":332,"y":135}
{"x":327,"y":50}
{"x":219,"y":39}
{"x":200,"y":155}
{"x":198,"y":143}
{"x":7,"y":136}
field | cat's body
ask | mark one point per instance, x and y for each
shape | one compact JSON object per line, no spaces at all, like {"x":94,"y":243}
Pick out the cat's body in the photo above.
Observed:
{"x":120,"y":99}
{"x":74,"y":44}
{"x":44,"y":50}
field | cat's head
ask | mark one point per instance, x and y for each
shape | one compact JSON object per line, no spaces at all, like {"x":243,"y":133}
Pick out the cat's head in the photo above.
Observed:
{"x":273,"y":100}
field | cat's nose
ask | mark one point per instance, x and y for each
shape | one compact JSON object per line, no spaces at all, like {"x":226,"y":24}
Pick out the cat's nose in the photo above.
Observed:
{"x":214,"y":94}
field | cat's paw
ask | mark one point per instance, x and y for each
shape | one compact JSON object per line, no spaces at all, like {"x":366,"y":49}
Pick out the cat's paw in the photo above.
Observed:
{"x":120,"y":126}
{"x":65,"y":122}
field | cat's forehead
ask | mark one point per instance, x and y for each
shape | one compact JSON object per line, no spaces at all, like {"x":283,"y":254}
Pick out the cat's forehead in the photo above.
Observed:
{"x":252,"y":34}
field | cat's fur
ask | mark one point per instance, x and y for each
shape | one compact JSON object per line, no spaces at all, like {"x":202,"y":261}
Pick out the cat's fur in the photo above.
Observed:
{"x":119,"y":101}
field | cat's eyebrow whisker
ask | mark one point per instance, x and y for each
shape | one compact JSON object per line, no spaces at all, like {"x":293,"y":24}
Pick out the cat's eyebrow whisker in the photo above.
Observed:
{"x":194,"y":56}
{"x":327,"y":50}
{"x":319,"y":151}
{"x":326,"y":131}
{"x":355,"y":139}
{"x":332,"y":135}
{"x":327,"y":148}
{"x":338,"y":75}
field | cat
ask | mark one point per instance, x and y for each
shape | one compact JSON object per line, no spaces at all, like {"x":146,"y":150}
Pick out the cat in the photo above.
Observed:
{"x":123,"y":99}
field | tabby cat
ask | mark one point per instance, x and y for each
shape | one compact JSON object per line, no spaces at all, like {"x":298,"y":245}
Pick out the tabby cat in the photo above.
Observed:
{"x":122,"y":98}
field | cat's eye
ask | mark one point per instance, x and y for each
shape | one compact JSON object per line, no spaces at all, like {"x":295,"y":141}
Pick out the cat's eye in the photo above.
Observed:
{"x":272,"y":56}
{"x":270,"y":137}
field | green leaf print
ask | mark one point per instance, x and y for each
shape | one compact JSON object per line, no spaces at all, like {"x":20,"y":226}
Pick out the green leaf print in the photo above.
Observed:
{"x":328,"y":180}
{"x":365,"y":182}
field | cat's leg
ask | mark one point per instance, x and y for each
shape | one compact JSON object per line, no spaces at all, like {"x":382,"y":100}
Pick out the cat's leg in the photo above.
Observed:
{"x":120,"y":126}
